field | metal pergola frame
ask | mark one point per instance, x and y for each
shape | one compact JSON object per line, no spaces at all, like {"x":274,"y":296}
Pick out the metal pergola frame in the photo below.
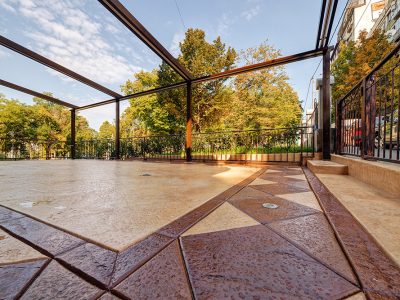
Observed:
{"x":328,"y":11}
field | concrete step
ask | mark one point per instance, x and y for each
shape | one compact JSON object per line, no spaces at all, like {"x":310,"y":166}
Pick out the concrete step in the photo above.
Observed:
{"x":327,"y":167}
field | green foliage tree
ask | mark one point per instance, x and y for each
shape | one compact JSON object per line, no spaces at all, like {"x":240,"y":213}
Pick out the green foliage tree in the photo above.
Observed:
{"x":356,"y":60}
{"x":106,"y":131}
{"x":263,"y":99}
{"x":43,"y":120}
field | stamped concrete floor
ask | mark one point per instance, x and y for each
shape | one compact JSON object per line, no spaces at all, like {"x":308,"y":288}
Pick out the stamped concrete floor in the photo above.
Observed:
{"x":222,"y":244}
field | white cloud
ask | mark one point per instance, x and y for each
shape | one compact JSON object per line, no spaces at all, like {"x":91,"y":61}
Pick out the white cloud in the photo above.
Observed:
{"x":251,"y":13}
{"x":7,"y":6}
{"x":174,"y":47}
{"x":63,"y":32}
{"x":3,"y":54}
{"x":224,"y":24}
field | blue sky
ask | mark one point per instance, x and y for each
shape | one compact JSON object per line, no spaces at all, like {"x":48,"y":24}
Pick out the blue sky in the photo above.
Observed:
{"x":85,"y":37}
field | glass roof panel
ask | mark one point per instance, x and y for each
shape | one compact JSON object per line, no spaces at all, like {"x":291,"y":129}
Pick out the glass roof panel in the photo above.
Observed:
{"x":27,"y":73}
{"x":80,"y":35}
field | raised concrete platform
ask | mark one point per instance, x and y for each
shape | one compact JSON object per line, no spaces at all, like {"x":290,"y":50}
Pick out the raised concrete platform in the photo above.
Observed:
{"x":327,"y":167}
{"x":376,"y":210}
{"x":382,"y":175}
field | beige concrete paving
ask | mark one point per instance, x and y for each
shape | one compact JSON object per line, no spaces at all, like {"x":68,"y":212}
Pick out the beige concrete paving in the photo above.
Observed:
{"x":303,"y":198}
{"x":376,"y":210}
{"x":224,"y":217}
{"x":327,"y":167}
{"x":14,"y":251}
{"x":358,"y":296}
{"x":260,"y":181}
{"x":110,"y":202}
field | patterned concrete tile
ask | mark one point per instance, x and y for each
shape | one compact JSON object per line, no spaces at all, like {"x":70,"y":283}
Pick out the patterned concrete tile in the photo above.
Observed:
{"x":314,"y":234}
{"x":91,"y":260}
{"x":298,"y":177}
{"x":260,"y":181}
{"x":15,"y":277}
{"x":56,"y":282}
{"x":108,"y":296}
{"x":8,"y":214}
{"x":256,"y":263}
{"x":13,"y":250}
{"x":250,"y":201}
{"x":303,"y":198}
{"x":224,"y":217}
{"x":282,"y":188}
{"x":180,"y":225}
{"x":50,"y":240}
{"x":358,"y":296}
{"x":378,"y":274}
{"x":135,"y":256}
{"x":163,"y":277}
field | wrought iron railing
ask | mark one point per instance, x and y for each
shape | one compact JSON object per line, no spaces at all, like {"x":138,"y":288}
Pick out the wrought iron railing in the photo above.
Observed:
{"x":284,"y":144}
{"x":367,"y":118}
{"x":17,"y":148}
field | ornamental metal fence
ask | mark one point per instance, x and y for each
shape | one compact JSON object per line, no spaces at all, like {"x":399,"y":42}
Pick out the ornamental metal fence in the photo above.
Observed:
{"x":283,"y":144}
{"x":367,"y":118}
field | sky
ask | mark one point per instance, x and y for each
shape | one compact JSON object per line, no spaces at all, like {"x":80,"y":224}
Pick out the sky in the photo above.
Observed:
{"x":87,"y":38}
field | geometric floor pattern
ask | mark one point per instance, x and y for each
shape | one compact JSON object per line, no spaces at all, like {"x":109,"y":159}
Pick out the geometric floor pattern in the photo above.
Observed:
{"x":233,"y":246}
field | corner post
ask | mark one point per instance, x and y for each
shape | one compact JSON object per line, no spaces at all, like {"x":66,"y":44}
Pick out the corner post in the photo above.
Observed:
{"x":117,"y":131}
{"x":189,"y":121}
{"x":338,"y":146}
{"x":326,"y":104}
{"x":369,"y":116}
{"x":73,"y":133}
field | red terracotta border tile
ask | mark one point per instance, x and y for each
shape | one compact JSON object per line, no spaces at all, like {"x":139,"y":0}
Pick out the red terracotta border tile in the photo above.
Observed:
{"x":255,"y":262}
{"x":314,"y":235}
{"x":378,"y":274}
{"x":41,"y":236}
{"x":135,"y":256}
{"x":162,"y":277}
{"x":94,"y":263}
{"x":56,"y":282}
{"x":15,"y":278}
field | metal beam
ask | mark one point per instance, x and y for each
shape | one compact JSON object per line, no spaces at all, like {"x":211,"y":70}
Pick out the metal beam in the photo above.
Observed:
{"x":73,"y":134}
{"x":189,"y":121}
{"x":55,"y":66}
{"x":36,"y":94}
{"x":326,"y":21}
{"x":267,"y":64}
{"x":117,"y":132}
{"x":321,"y":21}
{"x":126,"y":18}
{"x":332,"y":18}
{"x":135,"y":95}
{"x":326,"y":105}
{"x":250,"y":68}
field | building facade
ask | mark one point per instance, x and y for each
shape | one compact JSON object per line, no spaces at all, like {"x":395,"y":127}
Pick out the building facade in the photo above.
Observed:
{"x":388,"y":21}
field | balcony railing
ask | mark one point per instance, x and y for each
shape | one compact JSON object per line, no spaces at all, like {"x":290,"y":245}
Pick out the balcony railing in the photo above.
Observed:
{"x":284,"y":144}
{"x":367,"y":118}
{"x":19,"y":148}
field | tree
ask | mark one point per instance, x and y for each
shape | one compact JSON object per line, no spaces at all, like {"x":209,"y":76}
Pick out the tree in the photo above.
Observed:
{"x":16,"y":119}
{"x":263,"y":99}
{"x":106,"y":131}
{"x":356,"y":60}
{"x":165,"y":112}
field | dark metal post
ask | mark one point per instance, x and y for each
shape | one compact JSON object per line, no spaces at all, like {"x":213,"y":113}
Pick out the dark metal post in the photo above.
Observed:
{"x":338,"y":147}
{"x":369,"y":117}
{"x":189,"y":120}
{"x":117,"y":137}
{"x":73,"y":134}
{"x":326,"y":105}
